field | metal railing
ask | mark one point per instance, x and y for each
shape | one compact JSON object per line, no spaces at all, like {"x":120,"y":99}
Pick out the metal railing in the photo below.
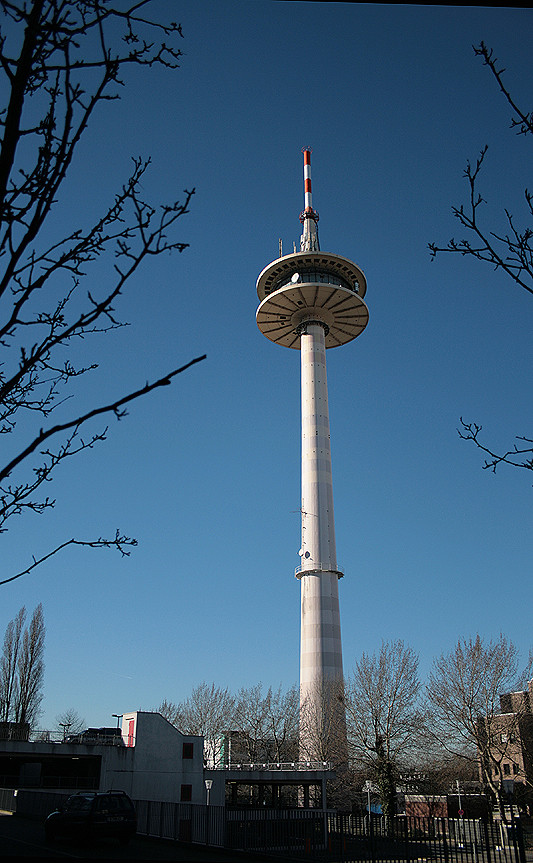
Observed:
{"x":307,"y":568}
{"x":45,"y":736}
{"x":274,"y":765}
{"x":406,"y":838}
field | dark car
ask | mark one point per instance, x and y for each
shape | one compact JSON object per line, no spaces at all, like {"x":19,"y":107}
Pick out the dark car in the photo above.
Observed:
{"x":103,"y":736}
{"x":93,"y":815}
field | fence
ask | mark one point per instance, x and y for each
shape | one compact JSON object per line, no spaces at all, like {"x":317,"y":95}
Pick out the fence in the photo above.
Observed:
{"x":185,"y":822}
{"x":332,"y":836}
{"x":409,"y":839}
{"x":313,"y":834}
{"x":8,"y":801}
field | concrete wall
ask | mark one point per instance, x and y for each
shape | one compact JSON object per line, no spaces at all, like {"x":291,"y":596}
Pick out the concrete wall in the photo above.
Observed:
{"x":151,"y":766}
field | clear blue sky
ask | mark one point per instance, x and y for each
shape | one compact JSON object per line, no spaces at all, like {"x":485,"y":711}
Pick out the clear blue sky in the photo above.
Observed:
{"x":206,"y":473}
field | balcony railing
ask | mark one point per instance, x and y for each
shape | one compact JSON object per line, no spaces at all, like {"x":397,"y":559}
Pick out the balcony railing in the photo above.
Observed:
{"x":84,"y":738}
{"x":274,"y":765}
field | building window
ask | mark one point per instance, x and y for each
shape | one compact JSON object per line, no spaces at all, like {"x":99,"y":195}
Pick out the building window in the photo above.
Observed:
{"x":313,"y":276}
{"x":506,"y":769}
{"x":188,"y":749}
{"x":186,"y":793}
{"x":516,"y":769}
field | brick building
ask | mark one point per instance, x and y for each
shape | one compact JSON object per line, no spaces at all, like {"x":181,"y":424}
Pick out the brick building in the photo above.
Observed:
{"x":507,"y":756}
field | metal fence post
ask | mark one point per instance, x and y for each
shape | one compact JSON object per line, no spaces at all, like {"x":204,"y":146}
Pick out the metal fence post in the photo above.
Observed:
{"x":175,"y":822}
{"x":487,"y":838}
{"x":518,"y":838}
{"x":326,"y":832}
{"x":406,"y":839}
{"x":444,"y":840}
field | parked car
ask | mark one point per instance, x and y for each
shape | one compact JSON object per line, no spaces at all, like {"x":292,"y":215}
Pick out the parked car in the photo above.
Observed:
{"x":93,"y":815}
{"x":105,"y":736}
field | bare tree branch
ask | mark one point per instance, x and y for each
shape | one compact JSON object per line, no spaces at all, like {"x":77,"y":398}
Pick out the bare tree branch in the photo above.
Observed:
{"x":119,"y":542}
{"x":514,"y":456}
{"x":60,"y":60}
{"x":113,"y":407}
{"x":509,"y":251}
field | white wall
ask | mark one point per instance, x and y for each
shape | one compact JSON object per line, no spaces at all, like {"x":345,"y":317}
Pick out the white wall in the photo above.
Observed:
{"x":153,"y":767}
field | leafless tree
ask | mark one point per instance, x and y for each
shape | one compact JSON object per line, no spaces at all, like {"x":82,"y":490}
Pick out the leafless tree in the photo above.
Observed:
{"x":509,"y":251}
{"x":9,"y":664}
{"x":251,"y":722}
{"x":22,"y":668}
{"x":255,"y":725}
{"x":60,"y":60}
{"x":70,"y":721}
{"x":208,"y":711}
{"x":267,"y":723}
{"x":283,"y":710}
{"x":31,"y":670}
{"x":383,"y":714}
{"x":172,"y":712}
{"x":464,"y":695}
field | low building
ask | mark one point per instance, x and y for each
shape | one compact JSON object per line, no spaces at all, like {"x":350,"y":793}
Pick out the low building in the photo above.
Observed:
{"x":426,"y":805}
{"x":446,"y":805}
{"x":149,"y":760}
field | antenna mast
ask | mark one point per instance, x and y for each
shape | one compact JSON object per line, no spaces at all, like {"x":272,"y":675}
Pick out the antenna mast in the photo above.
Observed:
{"x":309,"y":217}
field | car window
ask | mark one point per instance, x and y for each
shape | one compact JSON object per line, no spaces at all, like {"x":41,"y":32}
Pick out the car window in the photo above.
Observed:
{"x":78,"y":804}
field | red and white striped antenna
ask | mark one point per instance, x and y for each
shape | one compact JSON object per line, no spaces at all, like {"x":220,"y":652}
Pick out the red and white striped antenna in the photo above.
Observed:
{"x":309,"y":217}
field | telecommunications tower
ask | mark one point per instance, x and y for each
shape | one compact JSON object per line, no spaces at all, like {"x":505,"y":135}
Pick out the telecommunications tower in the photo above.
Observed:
{"x":310,"y":301}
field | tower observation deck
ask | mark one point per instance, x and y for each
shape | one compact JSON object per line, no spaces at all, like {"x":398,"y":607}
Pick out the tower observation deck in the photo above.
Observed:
{"x":311,"y":301}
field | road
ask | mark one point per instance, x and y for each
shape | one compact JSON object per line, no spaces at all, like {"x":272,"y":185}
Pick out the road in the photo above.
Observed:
{"x":22,"y":837}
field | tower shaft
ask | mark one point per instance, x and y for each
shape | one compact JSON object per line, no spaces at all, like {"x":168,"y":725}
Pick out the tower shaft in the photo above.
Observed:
{"x":318,"y":528}
{"x":320,"y":629}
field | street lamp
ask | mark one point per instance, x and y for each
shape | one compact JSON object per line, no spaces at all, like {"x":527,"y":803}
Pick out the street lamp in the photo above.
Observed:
{"x":65,"y":726}
{"x":369,"y":788}
{"x":208,"y":786}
